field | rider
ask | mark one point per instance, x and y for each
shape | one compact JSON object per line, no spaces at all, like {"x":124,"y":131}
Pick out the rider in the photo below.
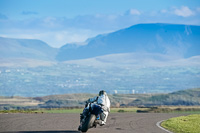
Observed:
{"x":104,"y":102}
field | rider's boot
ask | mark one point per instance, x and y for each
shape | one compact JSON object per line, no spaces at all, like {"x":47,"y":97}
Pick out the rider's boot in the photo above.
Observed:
{"x":102,"y":123}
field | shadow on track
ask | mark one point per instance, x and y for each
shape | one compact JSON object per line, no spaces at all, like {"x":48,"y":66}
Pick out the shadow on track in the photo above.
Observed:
{"x":67,"y":131}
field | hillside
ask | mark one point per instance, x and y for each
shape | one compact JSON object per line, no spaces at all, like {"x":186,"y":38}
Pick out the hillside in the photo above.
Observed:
{"x":189,"y":97}
{"x":26,"y":49}
{"x":168,"y":39}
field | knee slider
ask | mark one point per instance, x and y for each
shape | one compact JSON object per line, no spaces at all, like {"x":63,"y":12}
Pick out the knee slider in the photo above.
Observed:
{"x":102,"y":116}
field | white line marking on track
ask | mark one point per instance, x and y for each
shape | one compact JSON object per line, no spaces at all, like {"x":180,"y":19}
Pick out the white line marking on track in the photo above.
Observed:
{"x":158,"y":125}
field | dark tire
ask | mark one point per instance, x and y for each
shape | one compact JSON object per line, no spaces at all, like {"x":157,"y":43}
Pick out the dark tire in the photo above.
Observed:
{"x":88,"y":123}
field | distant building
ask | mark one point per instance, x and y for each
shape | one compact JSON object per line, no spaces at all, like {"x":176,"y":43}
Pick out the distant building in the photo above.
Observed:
{"x":7,"y":71}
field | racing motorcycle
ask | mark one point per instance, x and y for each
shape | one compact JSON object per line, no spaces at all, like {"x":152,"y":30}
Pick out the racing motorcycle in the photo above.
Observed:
{"x":91,"y":117}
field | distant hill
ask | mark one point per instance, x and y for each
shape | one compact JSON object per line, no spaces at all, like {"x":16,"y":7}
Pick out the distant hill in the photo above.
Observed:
{"x":169,"y":39}
{"x":189,"y":97}
{"x":26,"y":48}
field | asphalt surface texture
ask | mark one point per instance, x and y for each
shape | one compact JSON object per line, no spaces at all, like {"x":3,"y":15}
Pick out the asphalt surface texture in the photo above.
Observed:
{"x":68,"y":123}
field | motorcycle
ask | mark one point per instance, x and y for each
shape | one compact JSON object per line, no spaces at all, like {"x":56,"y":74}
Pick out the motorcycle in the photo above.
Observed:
{"x":91,"y":117}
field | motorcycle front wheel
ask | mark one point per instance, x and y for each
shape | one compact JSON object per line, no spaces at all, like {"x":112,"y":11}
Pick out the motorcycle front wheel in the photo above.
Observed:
{"x":88,"y":123}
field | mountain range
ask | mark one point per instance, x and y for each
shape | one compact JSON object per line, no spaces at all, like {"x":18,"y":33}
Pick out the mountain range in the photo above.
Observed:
{"x":144,"y":58}
{"x":168,"y":39}
{"x":26,"y":48}
{"x":175,"y":40}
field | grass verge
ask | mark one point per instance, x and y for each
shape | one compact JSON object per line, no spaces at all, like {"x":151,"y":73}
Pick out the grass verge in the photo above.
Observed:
{"x":68,"y":110}
{"x":60,"y":110}
{"x":125,"y":110}
{"x":172,"y":109}
{"x":183,"y":124}
{"x":183,"y":109}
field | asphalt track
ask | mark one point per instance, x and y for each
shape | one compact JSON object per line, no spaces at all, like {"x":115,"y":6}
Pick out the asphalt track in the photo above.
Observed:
{"x":68,"y":123}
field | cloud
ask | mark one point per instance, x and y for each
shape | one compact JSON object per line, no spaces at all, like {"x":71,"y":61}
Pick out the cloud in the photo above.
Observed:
{"x":184,"y":11}
{"x":132,"y":12}
{"x":163,"y":11}
{"x":29,"y":13}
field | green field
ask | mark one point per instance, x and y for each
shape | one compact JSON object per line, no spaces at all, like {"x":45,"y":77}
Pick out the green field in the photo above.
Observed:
{"x":183,"y":124}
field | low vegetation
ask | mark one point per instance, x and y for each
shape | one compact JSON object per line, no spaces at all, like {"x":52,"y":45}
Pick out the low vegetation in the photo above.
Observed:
{"x":180,"y":109}
{"x":183,"y":124}
{"x":184,"y":98}
{"x":171,"y":109}
{"x":190,"y":97}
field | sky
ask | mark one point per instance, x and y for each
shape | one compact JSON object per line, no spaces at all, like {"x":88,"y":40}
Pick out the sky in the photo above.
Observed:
{"x":58,"y":22}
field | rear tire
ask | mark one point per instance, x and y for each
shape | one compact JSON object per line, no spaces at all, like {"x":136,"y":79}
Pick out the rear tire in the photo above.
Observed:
{"x":88,"y":123}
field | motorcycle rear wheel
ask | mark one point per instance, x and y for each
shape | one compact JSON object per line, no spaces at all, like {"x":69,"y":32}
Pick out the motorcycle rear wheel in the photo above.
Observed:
{"x":88,"y":123}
